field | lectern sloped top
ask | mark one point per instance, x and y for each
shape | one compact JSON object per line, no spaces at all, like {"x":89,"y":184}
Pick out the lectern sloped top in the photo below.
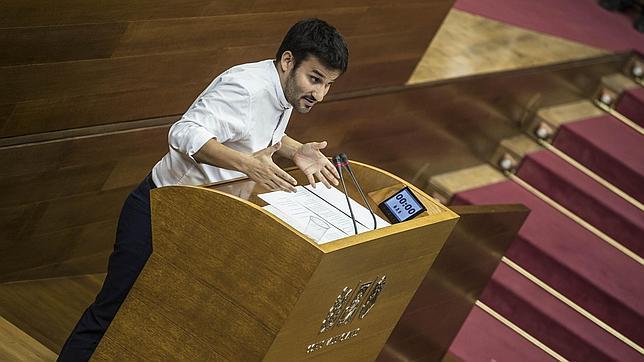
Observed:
{"x":229,"y":281}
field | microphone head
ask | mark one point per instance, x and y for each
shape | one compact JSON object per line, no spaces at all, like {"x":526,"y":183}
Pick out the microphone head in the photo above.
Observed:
{"x":337,"y":160}
{"x":344,"y":157}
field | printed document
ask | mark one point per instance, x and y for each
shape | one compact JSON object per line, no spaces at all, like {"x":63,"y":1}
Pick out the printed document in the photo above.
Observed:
{"x":320,"y":213}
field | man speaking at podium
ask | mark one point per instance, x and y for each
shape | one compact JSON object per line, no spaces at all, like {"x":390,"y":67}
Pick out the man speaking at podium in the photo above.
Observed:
{"x":232,"y":129}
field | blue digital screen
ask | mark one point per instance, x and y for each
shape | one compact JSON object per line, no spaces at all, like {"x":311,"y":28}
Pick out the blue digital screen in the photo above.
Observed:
{"x":403,"y":205}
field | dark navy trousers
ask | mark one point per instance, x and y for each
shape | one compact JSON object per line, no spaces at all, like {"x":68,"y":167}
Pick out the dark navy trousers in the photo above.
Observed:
{"x":132,"y":249}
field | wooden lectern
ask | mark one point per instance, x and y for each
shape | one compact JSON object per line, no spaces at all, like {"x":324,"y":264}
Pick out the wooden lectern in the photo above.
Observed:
{"x":229,"y":281}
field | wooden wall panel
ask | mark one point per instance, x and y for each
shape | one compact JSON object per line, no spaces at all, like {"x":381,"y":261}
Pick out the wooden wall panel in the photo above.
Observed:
{"x":66,"y":229}
{"x":92,"y":77}
{"x":13,"y":222}
{"x":81,"y":151}
{"x":280,"y":5}
{"x":54,"y":183}
{"x":55,"y":249}
{"x":97,"y":77}
{"x":368,"y":75}
{"x":183,"y":35}
{"x":78,"y":210}
{"x":31,"y":13}
{"x":62,"y":107}
{"x":369,"y":49}
{"x":55,"y":114}
{"x":66,"y":206}
{"x":46,"y":157}
{"x":419,"y":18}
{"x":87,"y":264}
{"x":65,"y":253}
{"x":97,"y":41}
{"x":28,"y":45}
{"x":47,"y":13}
{"x":35,"y":45}
{"x":5,"y":112}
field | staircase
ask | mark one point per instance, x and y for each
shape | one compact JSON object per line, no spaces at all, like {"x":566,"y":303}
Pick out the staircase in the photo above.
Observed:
{"x":570,"y":286}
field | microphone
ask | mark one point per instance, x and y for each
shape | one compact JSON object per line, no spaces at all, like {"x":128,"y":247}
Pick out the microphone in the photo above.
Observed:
{"x":337,"y":162}
{"x":345,"y":162}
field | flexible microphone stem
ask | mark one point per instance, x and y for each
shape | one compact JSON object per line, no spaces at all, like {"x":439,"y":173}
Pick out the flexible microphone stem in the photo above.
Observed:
{"x":345,"y":162}
{"x":338,"y":166}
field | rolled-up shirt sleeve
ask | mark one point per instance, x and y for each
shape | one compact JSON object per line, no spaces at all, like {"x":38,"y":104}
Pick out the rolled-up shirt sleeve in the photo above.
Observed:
{"x":222,"y":112}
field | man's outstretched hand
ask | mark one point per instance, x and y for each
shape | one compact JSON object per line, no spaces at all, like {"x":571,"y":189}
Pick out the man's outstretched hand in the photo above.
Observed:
{"x":312,"y":162}
{"x":261,"y":169}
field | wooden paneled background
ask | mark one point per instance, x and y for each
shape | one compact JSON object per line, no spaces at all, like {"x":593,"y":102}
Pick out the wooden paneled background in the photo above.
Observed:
{"x":88,"y":90}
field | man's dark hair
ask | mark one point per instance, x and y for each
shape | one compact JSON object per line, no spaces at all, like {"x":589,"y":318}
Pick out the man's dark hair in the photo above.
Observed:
{"x":316,"y":37}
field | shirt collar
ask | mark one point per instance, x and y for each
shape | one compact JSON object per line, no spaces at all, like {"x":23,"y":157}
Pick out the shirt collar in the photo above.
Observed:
{"x":278,"y":87}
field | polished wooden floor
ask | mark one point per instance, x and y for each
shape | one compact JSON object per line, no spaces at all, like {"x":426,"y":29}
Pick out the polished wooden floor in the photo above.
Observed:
{"x":467,"y":44}
{"x":44,"y":311}
{"x":19,"y":346}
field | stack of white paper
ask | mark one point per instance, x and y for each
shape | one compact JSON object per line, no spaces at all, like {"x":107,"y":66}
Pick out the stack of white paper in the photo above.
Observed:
{"x":320,"y":213}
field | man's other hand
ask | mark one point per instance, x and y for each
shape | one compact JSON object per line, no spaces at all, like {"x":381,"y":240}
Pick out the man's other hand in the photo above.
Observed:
{"x":265,"y":172}
{"x":312,"y":162}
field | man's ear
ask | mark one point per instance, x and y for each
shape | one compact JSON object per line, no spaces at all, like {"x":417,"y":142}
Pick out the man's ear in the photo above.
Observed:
{"x":287,"y":61}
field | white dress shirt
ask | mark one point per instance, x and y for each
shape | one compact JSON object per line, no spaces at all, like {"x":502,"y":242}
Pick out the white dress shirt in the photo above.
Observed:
{"x":244,"y":108}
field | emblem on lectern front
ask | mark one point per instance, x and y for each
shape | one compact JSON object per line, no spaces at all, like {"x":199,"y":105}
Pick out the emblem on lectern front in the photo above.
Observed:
{"x":336,"y":309}
{"x":373,"y":296}
{"x":347,"y":305}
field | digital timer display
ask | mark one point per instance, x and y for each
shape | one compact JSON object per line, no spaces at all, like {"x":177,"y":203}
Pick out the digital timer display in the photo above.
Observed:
{"x":402,"y":206}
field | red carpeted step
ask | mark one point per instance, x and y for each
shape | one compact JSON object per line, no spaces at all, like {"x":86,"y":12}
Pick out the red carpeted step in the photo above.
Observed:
{"x":609,"y":148}
{"x":551,"y":321}
{"x":585,"y":197}
{"x":569,"y":258}
{"x":483,"y":338}
{"x":631,"y":104}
